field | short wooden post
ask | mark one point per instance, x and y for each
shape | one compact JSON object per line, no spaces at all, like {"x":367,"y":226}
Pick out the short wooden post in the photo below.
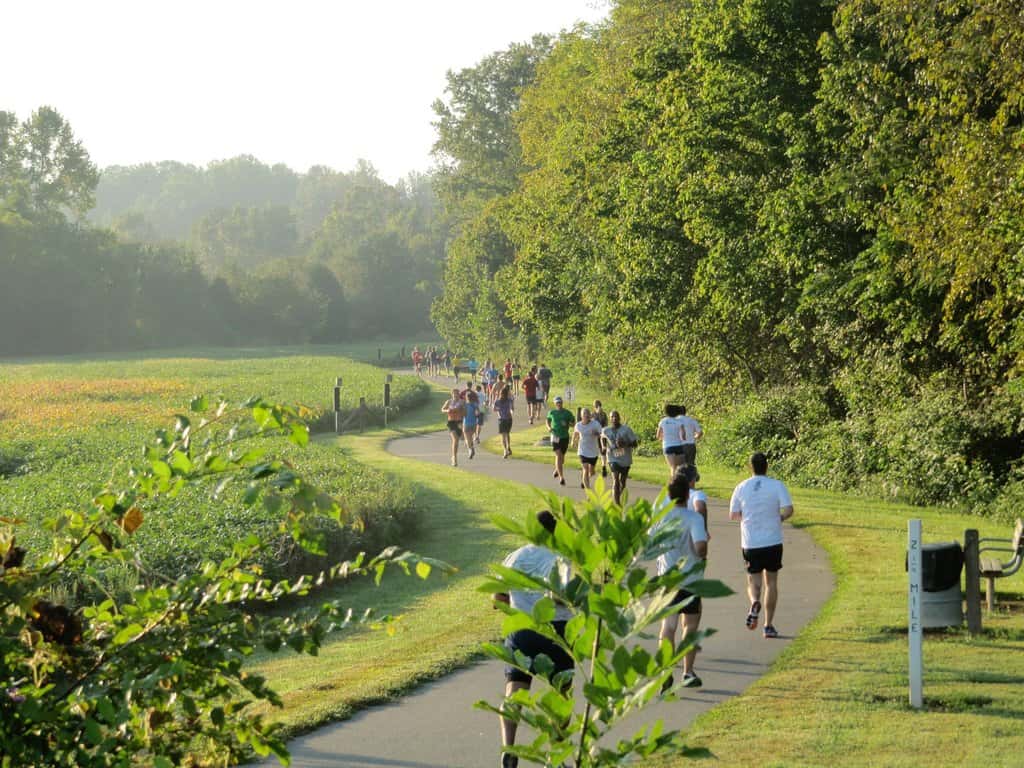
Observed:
{"x":337,"y":406}
{"x":972,"y":581}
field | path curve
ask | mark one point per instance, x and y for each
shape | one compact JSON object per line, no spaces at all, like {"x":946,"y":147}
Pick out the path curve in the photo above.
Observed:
{"x":437,"y":727}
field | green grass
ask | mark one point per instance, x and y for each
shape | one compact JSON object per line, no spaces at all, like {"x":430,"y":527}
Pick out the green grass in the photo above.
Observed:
{"x":68,"y":425}
{"x":838,"y":694}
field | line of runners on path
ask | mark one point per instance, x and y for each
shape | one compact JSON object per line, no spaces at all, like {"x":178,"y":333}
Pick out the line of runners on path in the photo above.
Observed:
{"x":760,"y":504}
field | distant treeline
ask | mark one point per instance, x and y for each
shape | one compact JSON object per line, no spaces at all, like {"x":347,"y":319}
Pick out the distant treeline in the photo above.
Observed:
{"x":805,"y":219}
{"x":167,"y":254}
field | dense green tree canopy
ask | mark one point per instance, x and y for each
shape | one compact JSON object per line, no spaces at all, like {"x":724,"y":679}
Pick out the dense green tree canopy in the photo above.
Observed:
{"x":808,"y":203}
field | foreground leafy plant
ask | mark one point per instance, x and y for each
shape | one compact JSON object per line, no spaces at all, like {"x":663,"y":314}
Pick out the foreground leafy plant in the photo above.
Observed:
{"x":614,"y":602}
{"x":157,"y":677}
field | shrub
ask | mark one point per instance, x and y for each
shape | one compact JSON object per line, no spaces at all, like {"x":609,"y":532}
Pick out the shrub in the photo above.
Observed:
{"x":154,"y":672}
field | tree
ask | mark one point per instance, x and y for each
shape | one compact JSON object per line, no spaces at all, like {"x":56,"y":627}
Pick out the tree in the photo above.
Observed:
{"x":57,"y":169}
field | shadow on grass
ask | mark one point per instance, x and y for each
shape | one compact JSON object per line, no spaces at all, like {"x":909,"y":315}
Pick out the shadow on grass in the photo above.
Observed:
{"x":803,"y":524}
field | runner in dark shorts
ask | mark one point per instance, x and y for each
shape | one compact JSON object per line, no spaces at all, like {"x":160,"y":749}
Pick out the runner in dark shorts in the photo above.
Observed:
{"x":504,"y":406}
{"x":455,"y":409}
{"x":540,"y":563}
{"x":560,"y":424}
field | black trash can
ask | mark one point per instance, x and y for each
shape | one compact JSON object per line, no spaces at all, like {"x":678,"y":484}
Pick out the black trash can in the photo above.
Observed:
{"x":942,"y":601}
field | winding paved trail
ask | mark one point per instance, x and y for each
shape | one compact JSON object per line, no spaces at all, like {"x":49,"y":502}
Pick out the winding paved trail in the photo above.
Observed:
{"x":437,"y":727}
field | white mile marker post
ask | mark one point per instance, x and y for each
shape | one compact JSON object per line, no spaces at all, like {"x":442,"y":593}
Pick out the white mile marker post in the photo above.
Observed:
{"x":914,"y":629}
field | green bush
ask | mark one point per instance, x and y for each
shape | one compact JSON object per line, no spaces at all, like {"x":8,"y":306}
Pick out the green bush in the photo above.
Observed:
{"x":918,"y":443}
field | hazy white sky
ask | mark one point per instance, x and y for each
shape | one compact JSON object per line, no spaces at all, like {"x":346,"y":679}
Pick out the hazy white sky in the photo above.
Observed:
{"x":302,"y":82}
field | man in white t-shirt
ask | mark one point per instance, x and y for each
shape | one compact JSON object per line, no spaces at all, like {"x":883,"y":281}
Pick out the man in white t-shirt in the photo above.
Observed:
{"x":586,"y":435}
{"x":688,"y":552}
{"x":690,"y":432}
{"x":541,"y":563}
{"x":761,"y":503}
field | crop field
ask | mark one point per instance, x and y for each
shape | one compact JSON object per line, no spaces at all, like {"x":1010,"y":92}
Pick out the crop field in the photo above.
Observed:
{"x":69,"y":425}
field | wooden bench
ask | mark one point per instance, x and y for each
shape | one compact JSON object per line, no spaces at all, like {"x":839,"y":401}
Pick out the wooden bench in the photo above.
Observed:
{"x":993,"y":568}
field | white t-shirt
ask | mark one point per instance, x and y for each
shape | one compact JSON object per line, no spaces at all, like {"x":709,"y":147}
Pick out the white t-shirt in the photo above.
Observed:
{"x":590,"y":438}
{"x":671,"y":431}
{"x":694,"y":497}
{"x":760,"y":499}
{"x":537,"y":562}
{"x":690,"y":429}
{"x":683,"y":554}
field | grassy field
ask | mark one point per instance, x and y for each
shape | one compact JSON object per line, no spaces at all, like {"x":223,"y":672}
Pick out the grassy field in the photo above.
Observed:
{"x":838,"y":695}
{"x":70,"y":424}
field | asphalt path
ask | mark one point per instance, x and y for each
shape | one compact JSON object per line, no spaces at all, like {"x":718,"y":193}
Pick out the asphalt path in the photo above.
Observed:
{"x":437,"y":727}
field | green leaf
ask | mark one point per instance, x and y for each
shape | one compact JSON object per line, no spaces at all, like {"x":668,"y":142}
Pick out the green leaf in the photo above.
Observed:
{"x":544,"y":610}
{"x":709,"y":588}
{"x":181,"y":462}
{"x":127,"y":634}
{"x":161,"y":469}
{"x":423,"y":569}
{"x":199,"y":404}
{"x":299,"y":434}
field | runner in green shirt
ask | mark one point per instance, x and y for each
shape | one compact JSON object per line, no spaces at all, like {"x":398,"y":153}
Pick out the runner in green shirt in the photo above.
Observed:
{"x":560,"y":423}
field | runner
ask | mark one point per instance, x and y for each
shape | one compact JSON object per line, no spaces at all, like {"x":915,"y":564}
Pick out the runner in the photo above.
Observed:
{"x":761,"y":503}
{"x":515,"y":378}
{"x":530,"y":386}
{"x":544,"y":377}
{"x":689,"y":550}
{"x":432,"y":355}
{"x":670,"y":432}
{"x":601,"y":417}
{"x":538,"y":562}
{"x":417,"y":360}
{"x":619,"y":441}
{"x":455,"y":408}
{"x":481,"y":413}
{"x":560,"y":421}
{"x":471,"y":421}
{"x":587,"y":435}
{"x":446,"y":358}
{"x":691,"y":434}
{"x":504,"y":406}
{"x":697,"y":500}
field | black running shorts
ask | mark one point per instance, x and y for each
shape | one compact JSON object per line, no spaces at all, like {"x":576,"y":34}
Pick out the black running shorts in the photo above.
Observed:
{"x":763,"y":559}
{"x":691,"y":608}
{"x":532,"y":645}
{"x":560,"y":444}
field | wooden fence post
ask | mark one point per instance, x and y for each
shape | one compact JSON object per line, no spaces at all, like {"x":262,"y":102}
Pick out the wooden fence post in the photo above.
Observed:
{"x":972,"y":581}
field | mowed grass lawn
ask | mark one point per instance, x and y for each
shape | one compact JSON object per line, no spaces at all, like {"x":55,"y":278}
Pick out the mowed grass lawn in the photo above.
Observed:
{"x":838,"y":695}
{"x":69,"y":425}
